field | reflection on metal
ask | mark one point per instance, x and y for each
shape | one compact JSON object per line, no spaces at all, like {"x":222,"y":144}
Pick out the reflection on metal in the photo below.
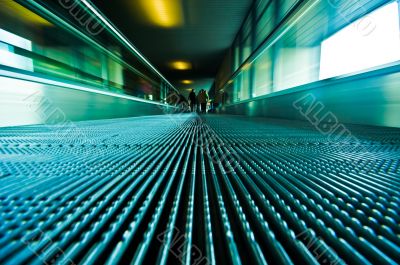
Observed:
{"x":180,"y":65}
{"x":26,"y":15}
{"x":162,"y":13}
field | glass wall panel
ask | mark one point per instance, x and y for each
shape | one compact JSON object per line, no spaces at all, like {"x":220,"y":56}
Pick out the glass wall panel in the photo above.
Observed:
{"x":295,"y":66}
{"x":241,"y":87}
{"x":237,"y":60}
{"x":237,"y":88}
{"x":265,"y":23}
{"x":245,"y":91}
{"x":354,"y":49}
{"x":246,"y":38}
{"x":261,"y":6}
{"x":43,"y":45}
{"x":318,"y":42}
{"x":229,"y":92}
{"x":285,"y":6}
{"x":246,"y":48}
{"x":262,"y":68}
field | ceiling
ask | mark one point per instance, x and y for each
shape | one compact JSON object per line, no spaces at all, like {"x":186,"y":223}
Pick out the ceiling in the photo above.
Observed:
{"x":196,"y":31}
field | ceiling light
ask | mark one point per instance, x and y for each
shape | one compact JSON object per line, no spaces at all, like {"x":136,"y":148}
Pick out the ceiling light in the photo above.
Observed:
{"x":187,"y":82}
{"x":180,"y":65}
{"x":162,"y":13}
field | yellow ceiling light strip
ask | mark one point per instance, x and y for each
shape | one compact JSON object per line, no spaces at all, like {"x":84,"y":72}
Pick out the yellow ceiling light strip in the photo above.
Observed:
{"x":180,"y":65}
{"x":162,"y":13}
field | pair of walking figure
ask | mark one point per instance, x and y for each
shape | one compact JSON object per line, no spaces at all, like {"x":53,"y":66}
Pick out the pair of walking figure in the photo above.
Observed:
{"x":200,"y":100}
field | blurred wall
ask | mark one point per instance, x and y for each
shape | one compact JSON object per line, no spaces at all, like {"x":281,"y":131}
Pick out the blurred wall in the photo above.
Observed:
{"x":370,"y":98}
{"x":26,"y":103}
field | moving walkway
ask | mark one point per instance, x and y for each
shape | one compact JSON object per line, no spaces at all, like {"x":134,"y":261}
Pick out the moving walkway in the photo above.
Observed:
{"x":211,"y":189}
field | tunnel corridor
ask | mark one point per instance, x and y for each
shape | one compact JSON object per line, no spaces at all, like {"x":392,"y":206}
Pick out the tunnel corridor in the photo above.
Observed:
{"x":199,"y":132}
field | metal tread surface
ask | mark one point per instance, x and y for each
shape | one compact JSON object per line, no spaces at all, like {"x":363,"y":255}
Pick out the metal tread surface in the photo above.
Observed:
{"x":185,"y":189}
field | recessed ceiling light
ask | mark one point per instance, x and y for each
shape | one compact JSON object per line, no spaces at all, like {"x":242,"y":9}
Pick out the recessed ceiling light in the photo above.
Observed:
{"x":187,"y":82}
{"x":162,"y":13}
{"x":180,"y":65}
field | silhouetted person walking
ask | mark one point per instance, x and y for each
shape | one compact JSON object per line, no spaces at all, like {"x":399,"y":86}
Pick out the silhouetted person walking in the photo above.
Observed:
{"x":206,"y":98}
{"x":203,"y":99}
{"x":192,"y":99}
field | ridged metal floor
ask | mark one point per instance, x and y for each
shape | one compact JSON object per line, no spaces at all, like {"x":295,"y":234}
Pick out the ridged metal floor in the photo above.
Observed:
{"x":186,"y":189}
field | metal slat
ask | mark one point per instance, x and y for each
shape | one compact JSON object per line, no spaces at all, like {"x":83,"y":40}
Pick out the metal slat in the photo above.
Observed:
{"x":195,"y":189}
